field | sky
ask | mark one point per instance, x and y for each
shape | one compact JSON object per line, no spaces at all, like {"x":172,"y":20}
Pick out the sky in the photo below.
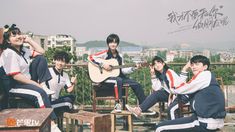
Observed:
{"x":144,"y":22}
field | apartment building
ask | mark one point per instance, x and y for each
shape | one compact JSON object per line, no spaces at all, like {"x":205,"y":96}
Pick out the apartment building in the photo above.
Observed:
{"x":40,"y":39}
{"x":61,"y":40}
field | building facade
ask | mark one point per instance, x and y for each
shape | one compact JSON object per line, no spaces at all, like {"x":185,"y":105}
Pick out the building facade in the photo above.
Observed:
{"x":60,"y":40}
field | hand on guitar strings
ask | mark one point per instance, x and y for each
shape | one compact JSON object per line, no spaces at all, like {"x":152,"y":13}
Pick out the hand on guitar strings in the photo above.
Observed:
{"x":107,"y":67}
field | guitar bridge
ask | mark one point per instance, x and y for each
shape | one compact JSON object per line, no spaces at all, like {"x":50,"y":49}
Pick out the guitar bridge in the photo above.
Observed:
{"x":101,"y":70}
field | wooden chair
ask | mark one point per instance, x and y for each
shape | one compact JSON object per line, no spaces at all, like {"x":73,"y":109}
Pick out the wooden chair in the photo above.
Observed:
{"x":18,"y":102}
{"x":97,"y":122}
{"x":106,"y":93}
{"x":162,"y":109}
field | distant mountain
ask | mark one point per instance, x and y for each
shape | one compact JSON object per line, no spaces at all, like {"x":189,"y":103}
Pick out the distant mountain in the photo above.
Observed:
{"x":226,"y":45}
{"x":229,"y":45}
{"x":96,"y":43}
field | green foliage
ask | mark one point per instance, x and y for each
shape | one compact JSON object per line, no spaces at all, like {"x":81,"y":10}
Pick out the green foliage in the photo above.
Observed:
{"x":51,"y":51}
{"x":143,"y":77}
{"x":49,"y":54}
{"x":215,"y":58}
{"x":180,"y":60}
{"x":83,"y":88}
{"x":84,"y":57}
{"x":127,"y":59}
{"x":162,"y":54}
{"x":225,"y":73}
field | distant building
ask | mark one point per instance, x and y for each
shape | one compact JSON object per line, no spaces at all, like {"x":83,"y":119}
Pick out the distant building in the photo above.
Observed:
{"x":187,"y":54}
{"x":131,"y":51}
{"x":94,"y":50}
{"x":137,"y":59}
{"x":226,"y":57}
{"x":206,"y":53}
{"x":42,"y":40}
{"x":61,"y":40}
{"x":151,"y":52}
{"x":171,"y":55}
{"x":80,"y":51}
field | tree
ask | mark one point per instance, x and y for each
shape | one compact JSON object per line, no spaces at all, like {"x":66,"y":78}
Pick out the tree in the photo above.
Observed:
{"x":49,"y":54}
{"x":215,"y":58}
{"x":180,"y":60}
{"x":225,"y":73}
{"x":51,"y":51}
{"x":127,"y":58}
{"x":162,"y":54}
{"x":84,"y":57}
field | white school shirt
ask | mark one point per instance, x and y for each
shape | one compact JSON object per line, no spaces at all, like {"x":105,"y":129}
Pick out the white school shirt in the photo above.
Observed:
{"x":173,"y":78}
{"x":14,"y":63}
{"x":58,"y":81}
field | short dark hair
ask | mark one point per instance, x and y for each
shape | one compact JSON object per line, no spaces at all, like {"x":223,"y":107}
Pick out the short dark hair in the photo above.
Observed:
{"x":113,"y":38}
{"x":62,"y":55}
{"x":200,"y":58}
{"x":159,"y":59}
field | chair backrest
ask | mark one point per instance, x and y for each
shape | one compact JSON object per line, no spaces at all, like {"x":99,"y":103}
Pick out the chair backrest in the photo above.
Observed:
{"x":4,"y":88}
{"x":1,"y":90}
{"x":1,"y":35}
{"x":6,"y":81}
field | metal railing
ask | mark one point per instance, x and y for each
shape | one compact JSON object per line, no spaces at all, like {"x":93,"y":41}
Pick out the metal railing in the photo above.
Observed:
{"x":83,"y":89}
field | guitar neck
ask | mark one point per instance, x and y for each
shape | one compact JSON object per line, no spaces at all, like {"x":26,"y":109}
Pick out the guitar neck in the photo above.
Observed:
{"x":123,"y":66}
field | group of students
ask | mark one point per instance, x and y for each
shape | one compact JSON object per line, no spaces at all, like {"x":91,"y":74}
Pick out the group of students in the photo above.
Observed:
{"x":25,"y":74}
{"x":202,"y":92}
{"x":33,"y":80}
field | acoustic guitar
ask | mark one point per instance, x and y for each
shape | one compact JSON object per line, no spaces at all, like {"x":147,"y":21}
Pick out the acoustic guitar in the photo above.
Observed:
{"x":98,"y":74}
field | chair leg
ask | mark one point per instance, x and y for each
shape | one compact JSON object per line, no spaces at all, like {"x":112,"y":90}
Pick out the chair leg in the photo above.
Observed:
{"x":126,"y":98}
{"x":94,"y":105}
{"x":94,"y":100}
{"x":124,"y":103}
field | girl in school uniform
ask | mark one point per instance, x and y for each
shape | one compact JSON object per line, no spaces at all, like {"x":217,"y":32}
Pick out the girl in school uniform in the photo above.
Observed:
{"x":28,"y":68}
{"x":163,"y":79}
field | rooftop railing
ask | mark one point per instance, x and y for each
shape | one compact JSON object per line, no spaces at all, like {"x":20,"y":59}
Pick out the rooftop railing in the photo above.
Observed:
{"x":83,"y":89}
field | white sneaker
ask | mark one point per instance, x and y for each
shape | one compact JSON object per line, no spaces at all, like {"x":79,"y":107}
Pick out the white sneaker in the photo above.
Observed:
{"x":118,"y":107}
{"x":135,"y":111}
{"x":75,"y":107}
{"x":54,"y":128}
{"x":148,"y":113}
{"x":48,"y":91}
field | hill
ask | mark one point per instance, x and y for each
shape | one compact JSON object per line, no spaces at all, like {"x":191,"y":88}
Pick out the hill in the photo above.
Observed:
{"x":100,"y":43}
